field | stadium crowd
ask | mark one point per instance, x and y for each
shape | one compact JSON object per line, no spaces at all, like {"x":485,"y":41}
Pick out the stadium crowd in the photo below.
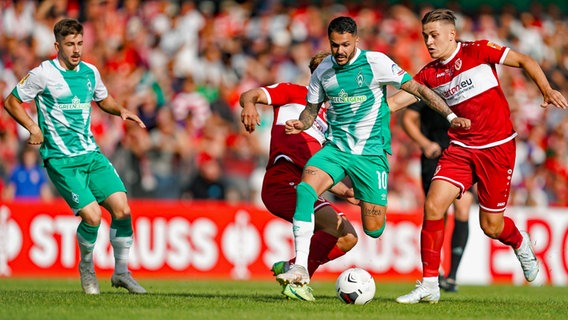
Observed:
{"x":183,"y":64}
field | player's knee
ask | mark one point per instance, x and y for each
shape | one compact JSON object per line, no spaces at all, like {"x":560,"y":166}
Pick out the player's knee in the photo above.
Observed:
{"x":376,"y":233}
{"x":347,"y":242}
{"x":491,"y":231}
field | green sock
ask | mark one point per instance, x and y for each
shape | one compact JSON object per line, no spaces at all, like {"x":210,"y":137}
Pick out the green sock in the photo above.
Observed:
{"x":123,"y":227}
{"x":86,"y":238}
{"x":305,"y":198}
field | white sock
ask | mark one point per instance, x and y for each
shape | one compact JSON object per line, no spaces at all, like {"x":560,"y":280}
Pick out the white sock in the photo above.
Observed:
{"x":121,"y":247}
{"x":430,"y":281}
{"x":303,"y":231}
{"x":86,"y":249}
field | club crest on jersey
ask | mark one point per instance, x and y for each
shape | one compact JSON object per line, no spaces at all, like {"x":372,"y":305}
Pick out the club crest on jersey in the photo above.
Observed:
{"x":397,"y":70}
{"x":360,"y":78}
{"x":89,"y":86}
{"x":458,"y":64}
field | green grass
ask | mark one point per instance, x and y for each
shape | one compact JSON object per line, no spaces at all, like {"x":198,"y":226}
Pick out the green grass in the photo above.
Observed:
{"x":181,"y":299}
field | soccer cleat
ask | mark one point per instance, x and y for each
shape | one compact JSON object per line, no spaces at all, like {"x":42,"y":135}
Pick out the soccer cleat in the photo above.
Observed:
{"x":297,"y":274}
{"x":449,"y":285}
{"x":126,"y":281}
{"x":280,"y":267}
{"x":298,"y":292}
{"x":527,"y":258}
{"x":89,"y":281}
{"x":421,"y":293}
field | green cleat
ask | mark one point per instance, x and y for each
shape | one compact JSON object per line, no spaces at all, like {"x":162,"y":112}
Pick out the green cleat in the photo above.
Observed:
{"x":280,"y":267}
{"x":298,"y":292}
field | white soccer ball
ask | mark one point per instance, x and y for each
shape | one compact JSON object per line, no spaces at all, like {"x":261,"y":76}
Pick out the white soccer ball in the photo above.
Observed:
{"x":355,"y":286}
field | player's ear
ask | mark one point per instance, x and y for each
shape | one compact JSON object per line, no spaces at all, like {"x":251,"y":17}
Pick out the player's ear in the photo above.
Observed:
{"x":453,"y":34}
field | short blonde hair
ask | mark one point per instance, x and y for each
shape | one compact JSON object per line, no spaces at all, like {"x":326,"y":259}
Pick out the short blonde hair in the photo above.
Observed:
{"x":317,"y":59}
{"x":445,"y":15}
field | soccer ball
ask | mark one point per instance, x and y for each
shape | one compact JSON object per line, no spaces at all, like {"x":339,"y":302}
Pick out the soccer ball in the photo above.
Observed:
{"x":355,"y":286}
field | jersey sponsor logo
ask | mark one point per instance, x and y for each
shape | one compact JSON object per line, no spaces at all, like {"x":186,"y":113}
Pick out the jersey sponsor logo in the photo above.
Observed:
{"x":462,"y":85}
{"x":24,"y":79}
{"x":493,"y":45}
{"x":345,"y":98}
{"x":467,"y":84}
{"x":74,"y":105}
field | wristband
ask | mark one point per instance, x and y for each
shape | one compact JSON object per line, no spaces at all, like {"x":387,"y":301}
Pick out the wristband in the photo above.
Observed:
{"x":451,"y":117}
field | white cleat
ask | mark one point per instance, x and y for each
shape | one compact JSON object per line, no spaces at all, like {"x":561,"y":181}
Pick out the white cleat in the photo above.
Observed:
{"x":295,"y":275}
{"x":89,"y":281}
{"x":527,"y":258}
{"x":126,"y":281}
{"x":421,"y":293}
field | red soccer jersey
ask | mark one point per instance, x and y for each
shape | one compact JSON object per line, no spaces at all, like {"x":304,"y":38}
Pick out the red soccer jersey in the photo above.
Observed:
{"x":469,"y":84}
{"x":289,"y":100}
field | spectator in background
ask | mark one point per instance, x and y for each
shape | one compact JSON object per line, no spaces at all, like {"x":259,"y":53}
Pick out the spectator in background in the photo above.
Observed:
{"x":208,"y":184}
{"x":28,"y":180}
{"x":142,"y":44}
{"x":165,"y":151}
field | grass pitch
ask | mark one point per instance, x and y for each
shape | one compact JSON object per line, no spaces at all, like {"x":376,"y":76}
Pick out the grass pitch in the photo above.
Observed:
{"x":190,"y":299}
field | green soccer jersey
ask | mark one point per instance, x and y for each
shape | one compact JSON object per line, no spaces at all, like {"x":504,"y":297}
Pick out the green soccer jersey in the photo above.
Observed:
{"x":63,"y":99}
{"x":358,"y":116}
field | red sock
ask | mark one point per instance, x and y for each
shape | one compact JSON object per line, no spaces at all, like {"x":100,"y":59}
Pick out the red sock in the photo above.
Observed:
{"x":431,"y":241}
{"x":320,"y":247}
{"x":510,"y":234}
{"x":335,"y":253}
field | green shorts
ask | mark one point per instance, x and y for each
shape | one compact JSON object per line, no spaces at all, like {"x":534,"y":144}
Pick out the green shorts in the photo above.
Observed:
{"x":368,"y":174}
{"x":83,"y":179}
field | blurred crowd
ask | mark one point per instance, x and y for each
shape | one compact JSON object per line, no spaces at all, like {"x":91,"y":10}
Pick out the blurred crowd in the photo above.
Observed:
{"x":182,"y":65}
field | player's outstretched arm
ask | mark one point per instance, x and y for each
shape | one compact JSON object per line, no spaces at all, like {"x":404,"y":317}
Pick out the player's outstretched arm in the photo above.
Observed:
{"x":306,"y":119}
{"x":533,"y":69}
{"x":435,"y":102}
{"x":400,"y":100}
{"x":248,"y":100}
{"x":15,"y":109}
{"x":110,"y":105}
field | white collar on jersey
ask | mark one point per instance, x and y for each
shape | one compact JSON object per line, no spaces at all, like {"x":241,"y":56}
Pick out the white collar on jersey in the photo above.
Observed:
{"x":458,"y":47}
{"x":58,"y":66}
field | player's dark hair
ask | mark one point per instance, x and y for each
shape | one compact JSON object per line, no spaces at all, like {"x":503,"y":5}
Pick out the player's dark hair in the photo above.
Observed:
{"x":317,"y":59}
{"x":445,"y":15}
{"x":342,"y":25}
{"x":65,"y":27}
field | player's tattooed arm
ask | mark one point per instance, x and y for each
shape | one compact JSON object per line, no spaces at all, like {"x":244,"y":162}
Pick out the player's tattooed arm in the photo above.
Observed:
{"x":435,"y":102}
{"x":309,"y":114}
{"x":305,"y":121}
{"x":430,"y":97}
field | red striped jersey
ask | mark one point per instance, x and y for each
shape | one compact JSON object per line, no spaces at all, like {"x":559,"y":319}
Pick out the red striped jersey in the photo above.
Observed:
{"x":288,"y":101}
{"x":469,"y":84}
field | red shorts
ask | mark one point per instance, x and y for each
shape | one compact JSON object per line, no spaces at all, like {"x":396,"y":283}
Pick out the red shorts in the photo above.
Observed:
{"x":279,"y":190}
{"x":491,"y":168}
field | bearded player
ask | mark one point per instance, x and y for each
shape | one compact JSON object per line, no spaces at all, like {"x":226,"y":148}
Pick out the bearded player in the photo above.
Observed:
{"x":334,"y":234}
